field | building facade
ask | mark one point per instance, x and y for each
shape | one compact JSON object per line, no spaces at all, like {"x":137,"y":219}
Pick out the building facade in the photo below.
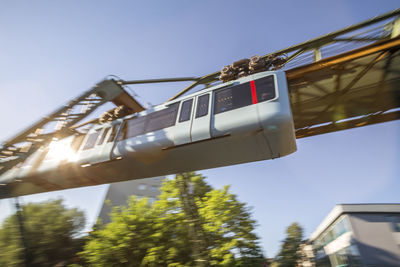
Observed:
{"x":119,"y":193}
{"x":306,"y":255}
{"x":359,"y":235}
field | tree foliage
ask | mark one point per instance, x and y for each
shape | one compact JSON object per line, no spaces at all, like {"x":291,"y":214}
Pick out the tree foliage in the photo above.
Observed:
{"x":50,"y":234}
{"x":288,"y":255}
{"x":159,"y":234}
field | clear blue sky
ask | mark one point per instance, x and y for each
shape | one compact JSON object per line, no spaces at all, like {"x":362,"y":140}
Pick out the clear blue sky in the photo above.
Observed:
{"x":50,"y":51}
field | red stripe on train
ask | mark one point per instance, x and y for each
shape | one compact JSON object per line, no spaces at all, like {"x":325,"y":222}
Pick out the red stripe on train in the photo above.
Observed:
{"x":253,"y":92}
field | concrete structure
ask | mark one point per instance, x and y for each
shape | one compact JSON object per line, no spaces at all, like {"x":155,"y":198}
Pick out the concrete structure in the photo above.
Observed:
{"x":306,"y":254}
{"x":359,"y":235}
{"x":119,"y":193}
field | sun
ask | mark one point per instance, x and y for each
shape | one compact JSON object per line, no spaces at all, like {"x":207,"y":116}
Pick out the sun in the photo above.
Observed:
{"x":61,"y":150}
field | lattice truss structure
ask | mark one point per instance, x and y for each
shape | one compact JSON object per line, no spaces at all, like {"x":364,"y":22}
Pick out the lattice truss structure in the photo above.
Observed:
{"x":62,"y":122}
{"x":349,"y":92}
{"x":352,"y":89}
{"x":345,"y":79}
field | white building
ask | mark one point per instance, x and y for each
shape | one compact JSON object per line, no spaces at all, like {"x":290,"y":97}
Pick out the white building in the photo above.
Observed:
{"x":359,"y":235}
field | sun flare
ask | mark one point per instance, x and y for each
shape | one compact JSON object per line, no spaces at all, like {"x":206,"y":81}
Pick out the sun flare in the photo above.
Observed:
{"x":61,"y":150}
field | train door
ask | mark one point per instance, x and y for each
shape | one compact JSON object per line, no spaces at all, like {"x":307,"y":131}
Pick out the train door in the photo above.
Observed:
{"x":184,"y":123}
{"x":201,"y":120}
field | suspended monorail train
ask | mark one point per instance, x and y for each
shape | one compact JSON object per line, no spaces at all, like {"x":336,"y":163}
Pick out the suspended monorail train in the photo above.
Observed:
{"x":244,"y":120}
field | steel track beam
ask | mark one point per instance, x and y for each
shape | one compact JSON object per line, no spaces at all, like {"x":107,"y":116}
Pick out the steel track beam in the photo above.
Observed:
{"x":13,"y":150}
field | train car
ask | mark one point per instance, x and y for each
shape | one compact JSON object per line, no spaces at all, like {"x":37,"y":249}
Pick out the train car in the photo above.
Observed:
{"x":245,"y":120}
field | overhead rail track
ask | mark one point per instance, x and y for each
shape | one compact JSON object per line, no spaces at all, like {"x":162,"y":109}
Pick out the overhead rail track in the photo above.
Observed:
{"x":353,"y":89}
{"x":60,"y":123}
{"x":345,"y":79}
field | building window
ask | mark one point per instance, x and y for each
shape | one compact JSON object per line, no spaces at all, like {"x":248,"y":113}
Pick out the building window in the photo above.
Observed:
{"x":348,"y":256}
{"x":394,"y":221}
{"x":323,"y":262}
{"x":333,"y":232}
{"x":142,"y":187}
{"x":154,"y":188}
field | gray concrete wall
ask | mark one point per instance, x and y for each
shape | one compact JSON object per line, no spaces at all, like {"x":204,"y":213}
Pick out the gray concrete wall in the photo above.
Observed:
{"x":119,"y":193}
{"x":375,"y":239}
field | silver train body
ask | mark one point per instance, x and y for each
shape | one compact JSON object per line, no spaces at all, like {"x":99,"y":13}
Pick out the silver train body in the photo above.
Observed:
{"x":240,"y":121}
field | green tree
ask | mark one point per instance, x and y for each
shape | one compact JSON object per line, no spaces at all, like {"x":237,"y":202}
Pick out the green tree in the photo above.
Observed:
{"x":124,"y":241}
{"x":50,"y":232}
{"x":229,"y":229}
{"x":172,"y":233}
{"x":288,"y":255}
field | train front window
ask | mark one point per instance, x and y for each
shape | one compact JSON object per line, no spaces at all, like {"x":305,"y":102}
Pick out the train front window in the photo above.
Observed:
{"x":91,"y":141}
{"x":232,"y":98}
{"x":265,"y":88}
{"x":202,"y":106}
{"x":186,"y":110}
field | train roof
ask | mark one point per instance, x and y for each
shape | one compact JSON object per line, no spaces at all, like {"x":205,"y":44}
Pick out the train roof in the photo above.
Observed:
{"x":226,"y":84}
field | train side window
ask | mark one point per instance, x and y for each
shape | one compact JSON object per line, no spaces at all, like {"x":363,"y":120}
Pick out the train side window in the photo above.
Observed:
{"x":232,"y":98}
{"x":162,"y":119}
{"x":77,"y":142}
{"x":135,"y":126}
{"x":122,"y":133}
{"x":265,"y":88}
{"x":149,"y":123}
{"x":202,"y":106}
{"x":113,"y":132}
{"x":186,"y":110}
{"x":103,"y":136}
{"x":91,"y":141}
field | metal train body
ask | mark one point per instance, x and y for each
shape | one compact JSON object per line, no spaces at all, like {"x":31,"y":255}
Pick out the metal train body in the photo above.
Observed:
{"x":240,"y":121}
